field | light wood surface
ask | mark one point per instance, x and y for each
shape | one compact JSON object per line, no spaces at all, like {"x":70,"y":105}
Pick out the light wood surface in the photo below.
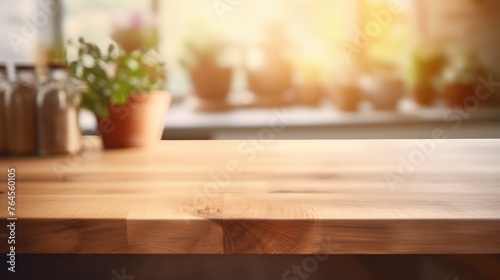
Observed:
{"x":288,"y":197}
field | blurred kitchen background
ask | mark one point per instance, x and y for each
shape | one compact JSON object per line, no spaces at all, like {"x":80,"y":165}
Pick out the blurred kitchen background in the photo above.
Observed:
{"x":327,"y":69}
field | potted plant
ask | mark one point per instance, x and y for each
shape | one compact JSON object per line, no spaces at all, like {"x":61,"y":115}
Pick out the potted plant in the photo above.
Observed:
{"x":135,"y":31}
{"x":425,"y":66}
{"x":125,"y":92}
{"x":383,"y":89}
{"x":269,"y":70}
{"x":309,"y":88}
{"x":460,"y":79}
{"x":346,"y":93}
{"x":270,"y":78}
{"x":202,"y":57}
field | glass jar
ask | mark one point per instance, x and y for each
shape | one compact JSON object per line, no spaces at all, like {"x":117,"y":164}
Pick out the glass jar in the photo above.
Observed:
{"x":21,"y":112}
{"x":4,"y":85}
{"x":58,"y":105}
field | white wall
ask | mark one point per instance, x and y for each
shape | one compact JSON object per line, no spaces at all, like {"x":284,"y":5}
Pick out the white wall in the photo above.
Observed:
{"x":13,"y":16}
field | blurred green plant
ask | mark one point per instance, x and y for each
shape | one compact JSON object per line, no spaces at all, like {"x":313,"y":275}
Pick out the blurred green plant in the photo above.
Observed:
{"x":203,"y":48}
{"x":137,"y":33}
{"x":463,"y":67}
{"x":309,"y":69}
{"x":111,"y":77}
{"x":131,"y":39}
{"x":426,"y":64}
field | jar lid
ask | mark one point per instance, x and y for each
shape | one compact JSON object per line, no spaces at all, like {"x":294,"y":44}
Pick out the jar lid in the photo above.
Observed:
{"x":57,"y":65}
{"x":25,"y":67}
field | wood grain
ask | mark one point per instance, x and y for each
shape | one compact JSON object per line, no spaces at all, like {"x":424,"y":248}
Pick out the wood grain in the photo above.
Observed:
{"x":278,"y":197}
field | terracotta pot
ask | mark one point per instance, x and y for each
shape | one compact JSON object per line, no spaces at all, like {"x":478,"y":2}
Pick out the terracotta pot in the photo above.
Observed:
{"x":211,"y":83}
{"x":270,"y":80}
{"x":457,"y":94}
{"x":423,"y":94}
{"x":310,"y":95}
{"x":383,"y":91}
{"x":346,"y":97}
{"x":138,"y":123}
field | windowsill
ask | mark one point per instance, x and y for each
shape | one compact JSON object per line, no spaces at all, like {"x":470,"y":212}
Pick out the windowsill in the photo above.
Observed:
{"x":182,"y":122}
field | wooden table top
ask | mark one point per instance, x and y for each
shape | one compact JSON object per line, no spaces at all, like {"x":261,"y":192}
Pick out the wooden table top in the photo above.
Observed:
{"x":271,"y":197}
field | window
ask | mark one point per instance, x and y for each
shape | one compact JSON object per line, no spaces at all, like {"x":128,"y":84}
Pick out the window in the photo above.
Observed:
{"x":314,"y":28}
{"x":16,"y":25}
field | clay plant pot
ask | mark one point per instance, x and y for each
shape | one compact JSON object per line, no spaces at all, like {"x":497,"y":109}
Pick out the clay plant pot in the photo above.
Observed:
{"x":309,"y":95}
{"x":270,"y":80}
{"x":138,"y":123}
{"x":423,"y":94}
{"x":211,"y":82}
{"x":457,"y":94}
{"x":383,"y":92}
{"x":346,"y":97}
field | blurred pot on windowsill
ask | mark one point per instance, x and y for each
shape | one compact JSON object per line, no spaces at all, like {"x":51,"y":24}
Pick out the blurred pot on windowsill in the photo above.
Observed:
{"x":308,"y":81}
{"x":269,"y":76}
{"x":345,"y":92}
{"x":460,"y":81}
{"x":204,"y":57}
{"x":269,"y":68}
{"x":458,"y":94}
{"x":211,"y":82}
{"x":135,"y":31}
{"x":383,"y":90}
{"x":309,"y":94}
{"x":424,"y":69}
{"x":423,"y":93}
{"x":346,"y":97}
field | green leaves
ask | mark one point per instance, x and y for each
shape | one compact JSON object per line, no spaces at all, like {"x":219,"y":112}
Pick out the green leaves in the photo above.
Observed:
{"x":111,"y":77}
{"x":426,"y":64}
{"x":111,"y":48}
{"x":202,"y":48}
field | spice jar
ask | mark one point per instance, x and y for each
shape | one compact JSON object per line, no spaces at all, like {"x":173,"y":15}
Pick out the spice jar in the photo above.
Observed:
{"x":4,"y":84}
{"x":21,"y":112}
{"x":58,"y":105}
